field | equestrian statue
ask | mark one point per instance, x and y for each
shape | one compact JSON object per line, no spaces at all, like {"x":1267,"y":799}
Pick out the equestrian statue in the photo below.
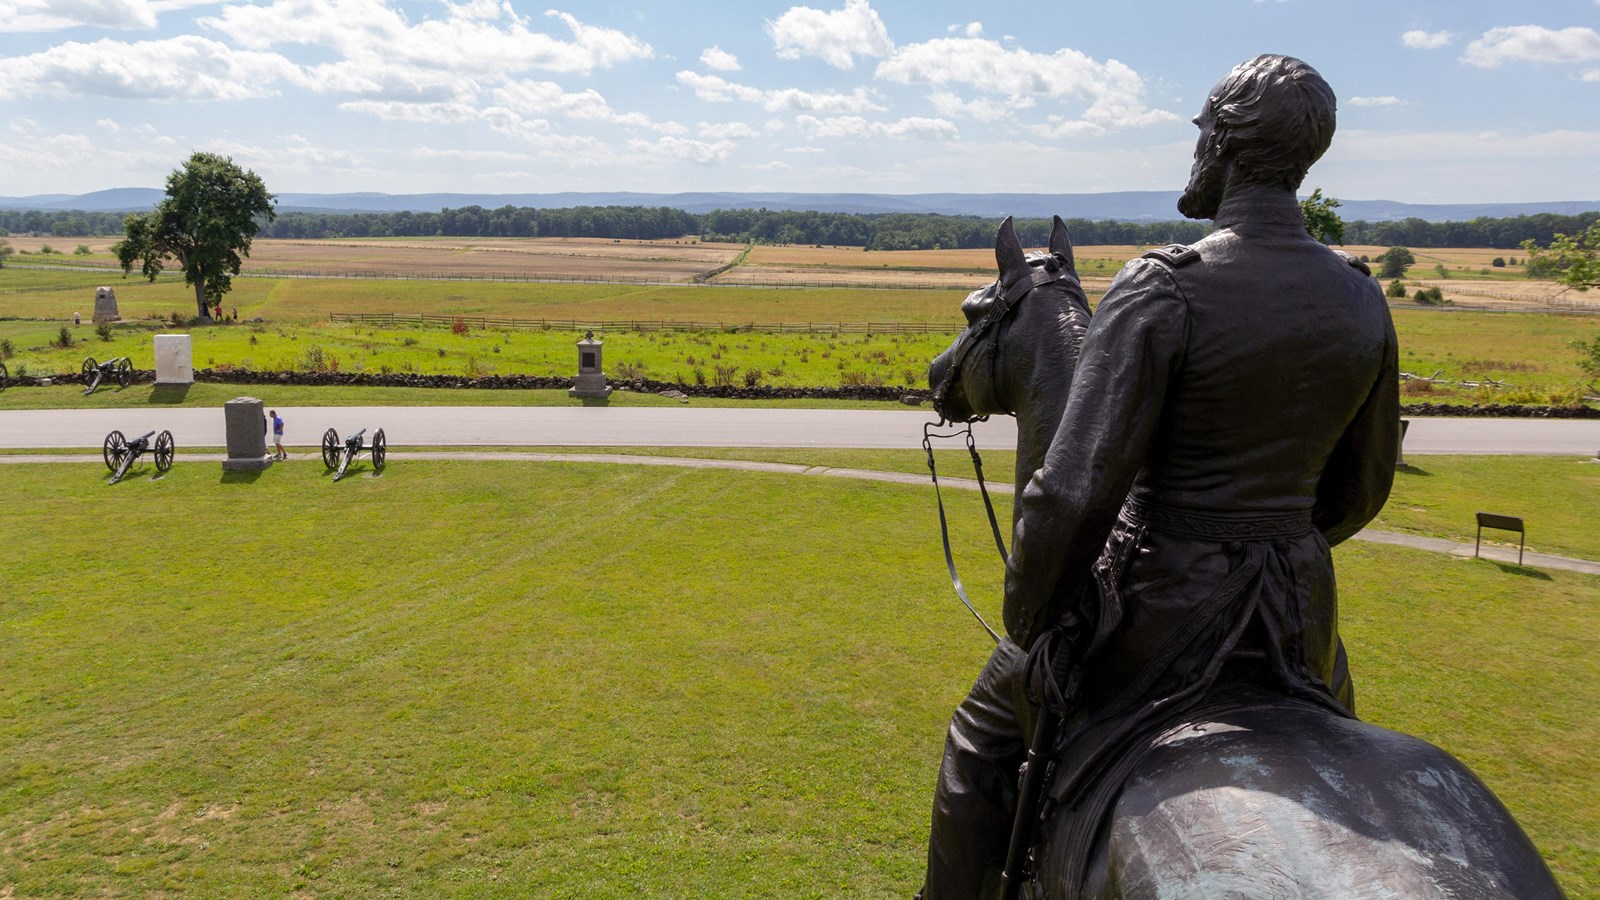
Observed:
{"x":1170,"y":712}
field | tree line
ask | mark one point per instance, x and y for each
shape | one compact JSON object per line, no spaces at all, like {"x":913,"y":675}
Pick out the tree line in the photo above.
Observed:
{"x":873,"y":231}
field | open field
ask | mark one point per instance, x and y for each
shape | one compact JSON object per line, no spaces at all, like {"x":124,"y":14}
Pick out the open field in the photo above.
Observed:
{"x":675,"y":260}
{"x":55,"y":294}
{"x":1471,"y":279}
{"x":1531,"y":352}
{"x":430,"y":683}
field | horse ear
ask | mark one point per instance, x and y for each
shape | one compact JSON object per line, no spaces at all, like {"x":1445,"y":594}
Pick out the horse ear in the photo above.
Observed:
{"x":1008,"y":252}
{"x":1061,"y":244}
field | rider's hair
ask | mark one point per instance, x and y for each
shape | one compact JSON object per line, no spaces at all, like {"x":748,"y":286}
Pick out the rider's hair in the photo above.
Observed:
{"x":1278,"y":114}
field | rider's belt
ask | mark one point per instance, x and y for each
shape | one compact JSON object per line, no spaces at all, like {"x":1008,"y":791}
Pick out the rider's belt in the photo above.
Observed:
{"x":1217,"y":526}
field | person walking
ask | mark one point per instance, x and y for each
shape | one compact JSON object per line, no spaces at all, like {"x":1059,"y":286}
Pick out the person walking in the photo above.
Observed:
{"x":277,"y":436}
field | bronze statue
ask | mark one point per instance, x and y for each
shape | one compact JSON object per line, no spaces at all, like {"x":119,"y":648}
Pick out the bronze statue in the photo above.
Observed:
{"x":1170,"y":601}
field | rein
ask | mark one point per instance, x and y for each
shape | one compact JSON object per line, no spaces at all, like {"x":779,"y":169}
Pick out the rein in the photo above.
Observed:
{"x":928,"y":434}
{"x":1046,"y":269}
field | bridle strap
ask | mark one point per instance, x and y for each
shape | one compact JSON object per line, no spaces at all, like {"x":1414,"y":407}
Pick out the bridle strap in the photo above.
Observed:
{"x":944,"y":526}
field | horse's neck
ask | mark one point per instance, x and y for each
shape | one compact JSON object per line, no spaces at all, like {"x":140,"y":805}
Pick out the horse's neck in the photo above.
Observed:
{"x":1040,"y":383}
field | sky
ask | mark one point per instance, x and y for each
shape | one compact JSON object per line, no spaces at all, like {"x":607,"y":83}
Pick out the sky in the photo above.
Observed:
{"x":1440,"y":101}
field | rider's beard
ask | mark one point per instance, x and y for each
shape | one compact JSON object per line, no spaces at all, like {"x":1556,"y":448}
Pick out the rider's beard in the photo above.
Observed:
{"x":1203,"y":196}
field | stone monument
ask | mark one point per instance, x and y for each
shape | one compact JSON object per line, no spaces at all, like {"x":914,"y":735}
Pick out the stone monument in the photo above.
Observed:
{"x":174,"y":359}
{"x":105,"y":305}
{"x":591,"y":383}
{"x":247,"y":436}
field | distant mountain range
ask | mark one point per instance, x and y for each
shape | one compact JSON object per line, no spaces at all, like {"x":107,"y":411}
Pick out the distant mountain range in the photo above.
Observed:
{"x":1131,"y":206}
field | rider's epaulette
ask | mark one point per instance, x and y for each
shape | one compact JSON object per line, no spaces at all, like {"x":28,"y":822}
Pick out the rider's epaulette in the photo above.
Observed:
{"x":1174,"y":255}
{"x":1355,"y":262}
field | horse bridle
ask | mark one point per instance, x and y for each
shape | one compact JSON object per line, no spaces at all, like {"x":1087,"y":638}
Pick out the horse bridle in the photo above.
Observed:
{"x":1048,"y":268}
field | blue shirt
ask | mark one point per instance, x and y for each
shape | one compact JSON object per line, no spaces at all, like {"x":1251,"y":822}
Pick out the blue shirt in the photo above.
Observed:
{"x":277,"y":425}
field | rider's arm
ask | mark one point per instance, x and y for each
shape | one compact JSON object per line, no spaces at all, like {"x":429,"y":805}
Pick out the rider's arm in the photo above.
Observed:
{"x":1134,"y":345}
{"x":1355,"y":483}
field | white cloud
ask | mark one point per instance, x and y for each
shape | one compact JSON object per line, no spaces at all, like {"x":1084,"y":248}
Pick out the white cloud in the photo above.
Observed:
{"x":985,"y":109}
{"x":1426,"y":40}
{"x":717,"y":58}
{"x":726,"y":131}
{"x":1591,"y":75}
{"x":836,"y":37}
{"x":1532,"y":43}
{"x":687,"y":149}
{"x":715,"y":89}
{"x":1115,"y":91}
{"x":912,"y":128}
{"x":971,"y":29}
{"x":420,"y":113}
{"x":180,"y":68}
{"x":51,"y":15}
{"x":479,"y":39}
{"x":1375,"y":101}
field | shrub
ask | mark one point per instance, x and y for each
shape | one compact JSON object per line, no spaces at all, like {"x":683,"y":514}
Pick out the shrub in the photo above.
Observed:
{"x":409,"y":342}
{"x":7,"y":349}
{"x":752,"y":377}
{"x":722,"y":376}
{"x":1499,"y":262}
{"x":1441,"y":271}
{"x":314,"y":360}
{"x":1396,"y":290}
{"x":1430,"y":296}
{"x":253,"y":340}
{"x":46,"y":249}
{"x":459,"y":327}
{"x":82,"y":250}
{"x":441,"y":353}
{"x":104,"y":330}
{"x":699,"y":376}
{"x":63,"y":338}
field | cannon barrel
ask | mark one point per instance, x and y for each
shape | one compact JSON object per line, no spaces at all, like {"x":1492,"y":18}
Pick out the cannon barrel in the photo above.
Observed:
{"x":141,"y":439}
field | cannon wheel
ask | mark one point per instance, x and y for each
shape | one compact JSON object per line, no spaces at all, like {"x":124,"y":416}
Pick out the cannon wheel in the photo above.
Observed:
{"x":164,"y":451}
{"x":380,"y":449}
{"x":88,"y":368}
{"x":125,"y":371}
{"x":330,"y":448}
{"x":115,"y":446}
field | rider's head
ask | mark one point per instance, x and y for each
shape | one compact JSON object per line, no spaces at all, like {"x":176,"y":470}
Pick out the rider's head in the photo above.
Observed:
{"x":1265,"y":123}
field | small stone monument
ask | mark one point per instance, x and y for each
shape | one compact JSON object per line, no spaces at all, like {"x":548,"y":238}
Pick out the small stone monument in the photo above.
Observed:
{"x":591,"y":383}
{"x":247,"y":436}
{"x":174,"y":359}
{"x":105,"y":305}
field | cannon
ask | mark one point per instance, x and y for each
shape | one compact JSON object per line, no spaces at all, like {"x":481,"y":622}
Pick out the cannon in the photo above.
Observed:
{"x":340,"y":456}
{"x":120,"y":453}
{"x":120,"y":368}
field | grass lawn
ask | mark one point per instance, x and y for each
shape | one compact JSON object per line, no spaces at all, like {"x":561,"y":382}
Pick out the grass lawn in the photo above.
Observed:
{"x":67,"y":396}
{"x":502,"y":679}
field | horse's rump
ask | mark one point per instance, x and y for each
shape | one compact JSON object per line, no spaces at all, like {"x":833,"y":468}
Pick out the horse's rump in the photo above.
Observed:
{"x":1265,"y":796}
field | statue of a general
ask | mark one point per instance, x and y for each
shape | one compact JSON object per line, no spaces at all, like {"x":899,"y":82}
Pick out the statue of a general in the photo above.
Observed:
{"x":1233,"y":414}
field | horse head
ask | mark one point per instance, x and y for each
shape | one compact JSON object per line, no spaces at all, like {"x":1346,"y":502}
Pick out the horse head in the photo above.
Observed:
{"x":1018,"y":352}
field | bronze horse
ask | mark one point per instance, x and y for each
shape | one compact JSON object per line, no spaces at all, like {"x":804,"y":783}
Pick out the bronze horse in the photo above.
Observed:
{"x":1248,"y":794}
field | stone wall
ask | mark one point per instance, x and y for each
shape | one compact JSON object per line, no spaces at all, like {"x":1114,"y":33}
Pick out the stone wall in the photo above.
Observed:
{"x":647,"y":385}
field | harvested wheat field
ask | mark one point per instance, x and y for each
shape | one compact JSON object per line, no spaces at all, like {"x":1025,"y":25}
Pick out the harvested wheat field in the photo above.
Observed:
{"x":677,"y":260}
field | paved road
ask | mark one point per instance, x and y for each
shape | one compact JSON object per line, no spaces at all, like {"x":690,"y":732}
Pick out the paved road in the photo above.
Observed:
{"x":480,"y":426}
{"x":599,"y":426}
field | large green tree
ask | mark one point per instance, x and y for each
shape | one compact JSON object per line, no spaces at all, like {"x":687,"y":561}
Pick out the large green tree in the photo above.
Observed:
{"x":5,"y":251}
{"x":212,"y":211}
{"x":1571,"y":259}
{"x":1321,"y":221}
{"x":1394,"y":262}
